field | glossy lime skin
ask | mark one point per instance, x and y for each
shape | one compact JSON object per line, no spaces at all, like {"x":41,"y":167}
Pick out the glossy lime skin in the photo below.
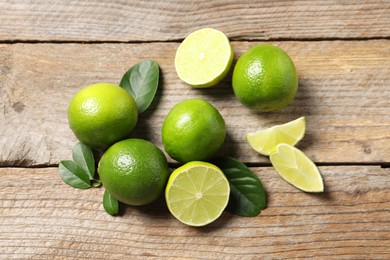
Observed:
{"x":265,"y":78}
{"x":134,"y":171}
{"x":102,"y":114}
{"x":193,"y":130}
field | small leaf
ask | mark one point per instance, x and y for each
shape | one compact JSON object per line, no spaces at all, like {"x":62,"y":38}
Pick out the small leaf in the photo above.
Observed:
{"x":83,"y":156}
{"x":247,"y":195}
{"x":141,"y":81}
{"x":74,"y":175}
{"x":110,"y":204}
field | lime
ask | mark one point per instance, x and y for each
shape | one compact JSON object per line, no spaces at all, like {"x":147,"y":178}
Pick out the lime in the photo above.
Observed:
{"x":134,"y":171}
{"x":296,"y":168}
{"x":265,"y":78}
{"x":197,"y":193}
{"x":265,"y":141}
{"x":193,"y":130}
{"x":102,"y":114}
{"x":204,"y":58}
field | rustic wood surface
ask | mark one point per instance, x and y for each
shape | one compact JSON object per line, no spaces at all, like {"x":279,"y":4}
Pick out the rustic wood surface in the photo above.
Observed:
{"x":344,"y":93}
{"x":43,"y":217}
{"x":51,"y":49}
{"x":118,"y":20}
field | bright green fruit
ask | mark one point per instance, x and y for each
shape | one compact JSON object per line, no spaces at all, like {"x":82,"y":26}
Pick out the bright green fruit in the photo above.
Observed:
{"x":265,"y":78}
{"x":102,"y":114}
{"x":197,"y":193}
{"x":265,"y":141}
{"x":204,"y":58}
{"x":134,"y":171}
{"x":296,"y":168}
{"x":193,"y":130}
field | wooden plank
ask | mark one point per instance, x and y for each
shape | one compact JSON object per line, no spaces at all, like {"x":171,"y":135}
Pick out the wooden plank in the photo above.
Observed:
{"x":173,"y":19}
{"x":42,"y":217}
{"x":344,"y":93}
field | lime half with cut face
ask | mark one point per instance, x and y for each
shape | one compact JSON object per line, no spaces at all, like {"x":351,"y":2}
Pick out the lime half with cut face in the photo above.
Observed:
{"x":197,"y":193}
{"x":204,"y":58}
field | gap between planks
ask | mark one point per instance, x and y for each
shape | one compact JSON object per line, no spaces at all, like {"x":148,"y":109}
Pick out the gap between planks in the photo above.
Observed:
{"x":179,"y":40}
{"x":248,"y":164}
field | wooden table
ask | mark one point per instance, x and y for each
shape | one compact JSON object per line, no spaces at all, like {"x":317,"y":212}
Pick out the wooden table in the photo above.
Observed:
{"x":51,"y":49}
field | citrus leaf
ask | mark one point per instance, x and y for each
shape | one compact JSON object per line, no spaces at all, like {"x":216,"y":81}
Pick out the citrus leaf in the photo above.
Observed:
{"x":74,"y":175}
{"x":141,"y":81}
{"x":83,"y":156}
{"x":247,"y":195}
{"x":110,"y":204}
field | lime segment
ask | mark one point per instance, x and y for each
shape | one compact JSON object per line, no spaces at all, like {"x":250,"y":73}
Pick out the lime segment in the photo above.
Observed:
{"x":296,"y":168}
{"x":197,"y":193}
{"x":265,"y":141}
{"x":204,"y":58}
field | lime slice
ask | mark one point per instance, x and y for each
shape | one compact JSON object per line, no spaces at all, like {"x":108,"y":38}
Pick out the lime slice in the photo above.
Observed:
{"x":197,"y":193}
{"x":296,"y":168}
{"x":204,"y":58}
{"x":265,"y":141}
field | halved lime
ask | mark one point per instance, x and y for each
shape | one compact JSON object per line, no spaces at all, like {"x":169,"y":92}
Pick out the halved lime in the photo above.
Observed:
{"x":197,"y":193}
{"x":265,"y":141}
{"x":296,"y":168}
{"x":204,"y":58}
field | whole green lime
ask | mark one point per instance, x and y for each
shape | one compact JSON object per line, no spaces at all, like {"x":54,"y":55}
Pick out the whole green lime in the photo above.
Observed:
{"x":193,"y":130}
{"x":102,"y":114}
{"x":265,"y":78}
{"x":134,"y":171}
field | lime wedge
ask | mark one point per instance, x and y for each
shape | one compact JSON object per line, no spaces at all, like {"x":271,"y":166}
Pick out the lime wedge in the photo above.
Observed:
{"x":204,"y":58}
{"x":265,"y":141}
{"x":296,"y":168}
{"x":197,"y":193}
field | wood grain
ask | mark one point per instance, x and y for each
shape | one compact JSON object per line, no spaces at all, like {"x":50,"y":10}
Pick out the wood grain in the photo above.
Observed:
{"x":42,"y":217}
{"x":120,"y":20}
{"x":51,"y":49}
{"x":344,"y":93}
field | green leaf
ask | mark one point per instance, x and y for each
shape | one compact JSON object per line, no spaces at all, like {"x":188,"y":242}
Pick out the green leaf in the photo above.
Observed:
{"x":83,"y":156}
{"x":247,"y":195}
{"x":141,"y":81}
{"x":110,"y":204}
{"x":74,"y":175}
